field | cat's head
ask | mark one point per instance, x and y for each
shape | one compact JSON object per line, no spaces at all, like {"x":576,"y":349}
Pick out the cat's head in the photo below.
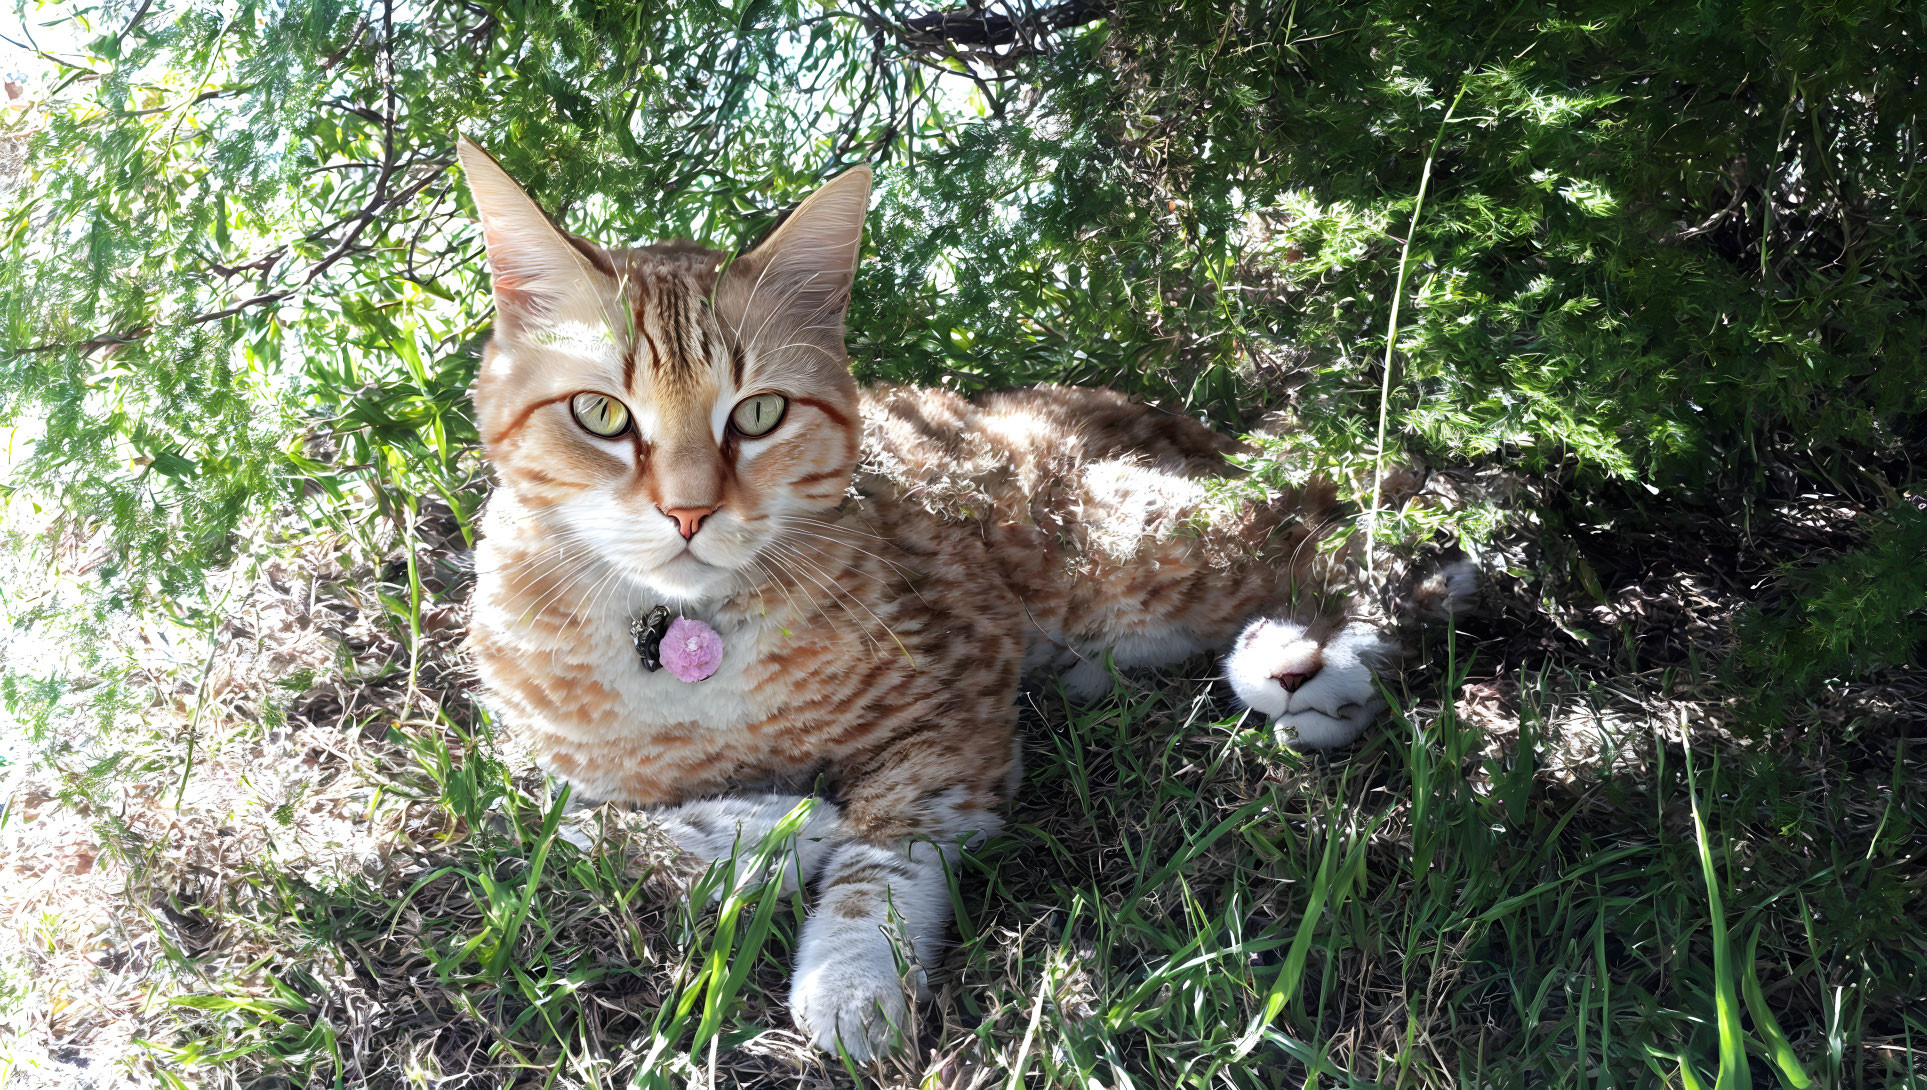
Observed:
{"x":666,"y":406}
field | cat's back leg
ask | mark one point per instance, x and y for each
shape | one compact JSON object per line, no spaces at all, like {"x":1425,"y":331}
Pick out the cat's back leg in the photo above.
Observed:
{"x":1317,"y":678}
{"x":1166,"y":563}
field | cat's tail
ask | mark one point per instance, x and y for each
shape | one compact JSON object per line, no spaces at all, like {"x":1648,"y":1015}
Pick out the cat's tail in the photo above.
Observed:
{"x":1439,"y":595}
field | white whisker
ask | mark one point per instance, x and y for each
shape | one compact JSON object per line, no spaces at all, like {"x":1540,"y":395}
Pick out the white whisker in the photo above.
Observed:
{"x":829,"y":587}
{"x":800,"y":559}
{"x":822,"y":525}
{"x":822,"y":609}
{"x":584,"y":602}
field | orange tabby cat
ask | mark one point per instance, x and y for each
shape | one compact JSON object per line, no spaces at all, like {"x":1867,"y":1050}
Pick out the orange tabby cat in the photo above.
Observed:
{"x":878,"y":568}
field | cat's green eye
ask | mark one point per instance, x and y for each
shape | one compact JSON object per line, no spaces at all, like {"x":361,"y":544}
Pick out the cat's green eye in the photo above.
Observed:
{"x":759,"y":415}
{"x":600,"y":414}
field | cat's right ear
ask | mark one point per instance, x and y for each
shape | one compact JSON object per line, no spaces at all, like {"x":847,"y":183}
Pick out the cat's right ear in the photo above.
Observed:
{"x":537,"y":268}
{"x":785,"y":299}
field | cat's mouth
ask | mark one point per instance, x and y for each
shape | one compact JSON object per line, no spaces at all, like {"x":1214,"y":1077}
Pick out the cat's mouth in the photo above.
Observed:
{"x":685,"y":576}
{"x":1298,"y":705}
{"x":687,"y":563}
{"x":1341,"y":711}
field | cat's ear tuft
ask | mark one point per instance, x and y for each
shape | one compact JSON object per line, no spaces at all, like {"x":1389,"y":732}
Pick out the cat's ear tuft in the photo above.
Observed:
{"x":533,"y":263}
{"x":786,"y":298}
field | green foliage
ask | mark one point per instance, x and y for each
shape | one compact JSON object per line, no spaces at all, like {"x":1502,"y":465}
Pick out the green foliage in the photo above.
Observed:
{"x":240,"y":270}
{"x":1848,"y":617}
{"x":1657,"y":237}
{"x":1660,"y":240}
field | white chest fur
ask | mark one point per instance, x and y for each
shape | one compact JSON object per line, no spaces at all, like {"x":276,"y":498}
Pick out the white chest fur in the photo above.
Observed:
{"x":588,"y":640}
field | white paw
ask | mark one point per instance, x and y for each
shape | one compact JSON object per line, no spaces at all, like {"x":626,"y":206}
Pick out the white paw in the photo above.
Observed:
{"x":736,"y":833}
{"x":853,"y":996}
{"x":1317,"y":683}
{"x":582,"y":829}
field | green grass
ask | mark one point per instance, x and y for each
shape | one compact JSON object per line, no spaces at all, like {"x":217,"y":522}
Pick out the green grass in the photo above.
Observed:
{"x":1594,"y":882}
{"x":1176,"y":903}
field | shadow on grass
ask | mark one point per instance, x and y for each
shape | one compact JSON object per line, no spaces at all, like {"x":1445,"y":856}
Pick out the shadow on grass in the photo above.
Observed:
{"x":1176,"y":903}
{"x":1538,"y":872}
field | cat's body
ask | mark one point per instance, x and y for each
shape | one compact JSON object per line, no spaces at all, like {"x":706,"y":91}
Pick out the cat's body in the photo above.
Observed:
{"x":1036,"y":528}
{"x":881,"y":568}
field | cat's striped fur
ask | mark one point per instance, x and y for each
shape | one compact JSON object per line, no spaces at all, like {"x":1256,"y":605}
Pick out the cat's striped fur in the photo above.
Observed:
{"x":883,"y":567}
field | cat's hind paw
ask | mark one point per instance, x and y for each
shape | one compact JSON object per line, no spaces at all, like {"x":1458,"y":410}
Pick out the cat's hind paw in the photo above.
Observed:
{"x":1317,"y":682}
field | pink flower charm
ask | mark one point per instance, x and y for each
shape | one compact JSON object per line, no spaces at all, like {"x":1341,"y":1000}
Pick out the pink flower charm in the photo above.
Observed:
{"x":691,"y":649}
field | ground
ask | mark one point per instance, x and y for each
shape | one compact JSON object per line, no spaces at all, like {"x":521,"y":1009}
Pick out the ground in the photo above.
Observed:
{"x":1568,"y":859}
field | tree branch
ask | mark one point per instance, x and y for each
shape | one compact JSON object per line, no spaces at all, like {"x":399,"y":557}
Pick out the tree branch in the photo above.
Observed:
{"x":975,"y":27}
{"x":360,"y":221}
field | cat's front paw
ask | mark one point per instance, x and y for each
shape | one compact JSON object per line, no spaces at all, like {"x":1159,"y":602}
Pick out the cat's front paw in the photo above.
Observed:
{"x":853,"y":997}
{"x":1316,"y":682}
{"x":735,"y":832}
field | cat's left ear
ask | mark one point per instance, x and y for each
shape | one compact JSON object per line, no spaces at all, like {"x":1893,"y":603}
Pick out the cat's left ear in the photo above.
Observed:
{"x":784,"y":300}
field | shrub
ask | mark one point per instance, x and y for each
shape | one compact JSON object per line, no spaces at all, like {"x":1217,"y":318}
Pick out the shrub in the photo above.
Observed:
{"x":1656,"y":243}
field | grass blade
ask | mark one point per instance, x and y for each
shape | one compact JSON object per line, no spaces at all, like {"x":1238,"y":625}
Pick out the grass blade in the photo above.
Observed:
{"x":1733,"y":1074}
{"x":1333,"y":882}
{"x":1784,"y":1058}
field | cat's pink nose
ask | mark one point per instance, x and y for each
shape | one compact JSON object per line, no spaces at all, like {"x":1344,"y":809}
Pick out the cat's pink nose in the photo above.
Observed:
{"x":1294,"y":680}
{"x":1302,"y":661}
{"x":688,"y":519}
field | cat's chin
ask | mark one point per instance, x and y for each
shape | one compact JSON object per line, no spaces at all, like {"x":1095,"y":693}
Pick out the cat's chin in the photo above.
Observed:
{"x":689,"y":580}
